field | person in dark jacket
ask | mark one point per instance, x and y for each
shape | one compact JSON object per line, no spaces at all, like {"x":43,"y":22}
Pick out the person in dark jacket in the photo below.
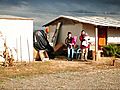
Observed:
{"x":70,"y":47}
{"x":40,"y":42}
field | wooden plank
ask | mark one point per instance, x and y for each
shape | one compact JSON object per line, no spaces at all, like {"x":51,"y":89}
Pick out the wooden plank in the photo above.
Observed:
{"x":36,"y":55}
{"x":58,"y":46}
{"x":55,"y":36}
{"x":43,"y":55}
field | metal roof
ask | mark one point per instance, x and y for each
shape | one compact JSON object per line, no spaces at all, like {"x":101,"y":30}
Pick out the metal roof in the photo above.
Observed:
{"x":10,"y":17}
{"x":94,"y":20}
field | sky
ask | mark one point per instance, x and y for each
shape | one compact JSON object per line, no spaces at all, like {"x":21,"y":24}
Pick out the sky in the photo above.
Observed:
{"x":42,"y":11}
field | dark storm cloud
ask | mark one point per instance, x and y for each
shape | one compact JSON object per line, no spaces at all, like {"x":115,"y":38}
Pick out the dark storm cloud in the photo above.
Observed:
{"x":40,"y":2}
{"x":10,"y":2}
{"x":89,"y":5}
{"x":45,"y":10}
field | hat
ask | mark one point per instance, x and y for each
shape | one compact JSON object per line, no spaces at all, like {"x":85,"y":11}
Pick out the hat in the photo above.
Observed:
{"x":69,"y":33}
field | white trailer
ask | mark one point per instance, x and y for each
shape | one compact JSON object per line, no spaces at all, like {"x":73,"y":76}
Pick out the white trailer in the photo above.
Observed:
{"x":18,"y":34}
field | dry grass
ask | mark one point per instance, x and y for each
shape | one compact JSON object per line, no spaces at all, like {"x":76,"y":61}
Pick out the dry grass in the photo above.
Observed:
{"x":29,"y":69}
{"x":21,"y":70}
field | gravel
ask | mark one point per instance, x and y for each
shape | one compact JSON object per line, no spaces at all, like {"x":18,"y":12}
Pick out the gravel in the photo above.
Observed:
{"x":93,"y":79}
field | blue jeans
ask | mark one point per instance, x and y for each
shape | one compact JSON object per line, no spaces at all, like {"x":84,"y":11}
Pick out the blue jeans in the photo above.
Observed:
{"x":72,"y":49}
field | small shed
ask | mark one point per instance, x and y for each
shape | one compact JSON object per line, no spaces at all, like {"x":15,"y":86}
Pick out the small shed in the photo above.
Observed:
{"x":17,"y":32}
{"x":102,"y":30}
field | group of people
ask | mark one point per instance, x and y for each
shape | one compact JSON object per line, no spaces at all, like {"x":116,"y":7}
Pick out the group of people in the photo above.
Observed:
{"x":84,"y":45}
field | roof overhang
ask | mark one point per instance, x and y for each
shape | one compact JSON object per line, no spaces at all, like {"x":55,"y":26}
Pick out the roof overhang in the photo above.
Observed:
{"x":94,"y":20}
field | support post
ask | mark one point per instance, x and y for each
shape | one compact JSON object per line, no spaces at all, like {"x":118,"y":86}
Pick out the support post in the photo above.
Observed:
{"x":96,"y":43}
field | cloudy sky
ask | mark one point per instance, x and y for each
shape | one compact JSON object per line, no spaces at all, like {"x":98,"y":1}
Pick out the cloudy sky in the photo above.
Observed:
{"x":44,"y":10}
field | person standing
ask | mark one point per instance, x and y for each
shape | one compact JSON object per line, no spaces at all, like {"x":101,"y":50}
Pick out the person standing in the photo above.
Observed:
{"x":70,"y":46}
{"x":84,"y":38}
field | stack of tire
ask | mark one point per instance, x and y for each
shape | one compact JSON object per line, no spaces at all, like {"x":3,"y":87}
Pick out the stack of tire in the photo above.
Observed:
{"x":40,"y":42}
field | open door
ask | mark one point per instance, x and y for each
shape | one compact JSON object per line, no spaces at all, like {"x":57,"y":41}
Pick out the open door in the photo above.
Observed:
{"x":102,"y":37}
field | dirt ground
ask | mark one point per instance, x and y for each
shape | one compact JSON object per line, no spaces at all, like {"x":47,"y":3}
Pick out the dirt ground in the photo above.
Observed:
{"x":66,"y":75}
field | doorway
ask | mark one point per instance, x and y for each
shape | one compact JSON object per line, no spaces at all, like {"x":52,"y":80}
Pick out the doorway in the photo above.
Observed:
{"x":102,"y":37}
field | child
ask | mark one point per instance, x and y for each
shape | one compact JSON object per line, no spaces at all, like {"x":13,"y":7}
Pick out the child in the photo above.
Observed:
{"x":74,"y":40}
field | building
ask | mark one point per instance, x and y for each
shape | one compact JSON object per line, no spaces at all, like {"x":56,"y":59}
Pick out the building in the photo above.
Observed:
{"x":102,"y":30}
{"x":17,"y":32}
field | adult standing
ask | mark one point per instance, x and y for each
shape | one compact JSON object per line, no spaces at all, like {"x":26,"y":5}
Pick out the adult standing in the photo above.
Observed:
{"x":70,"y":47}
{"x":84,"y":45}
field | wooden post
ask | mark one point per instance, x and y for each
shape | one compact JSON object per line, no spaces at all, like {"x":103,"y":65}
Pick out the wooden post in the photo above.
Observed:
{"x":96,"y":43}
{"x":28,"y":50}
